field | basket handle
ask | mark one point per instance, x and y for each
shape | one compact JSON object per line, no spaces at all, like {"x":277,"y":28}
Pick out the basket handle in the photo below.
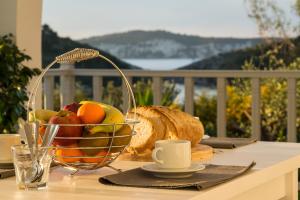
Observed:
{"x":77,"y":55}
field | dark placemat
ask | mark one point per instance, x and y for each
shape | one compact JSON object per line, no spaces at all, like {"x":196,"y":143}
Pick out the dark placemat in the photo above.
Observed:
{"x":6,"y":165}
{"x":5,"y":173}
{"x":212,"y":175}
{"x":6,"y":170}
{"x":227,"y":143}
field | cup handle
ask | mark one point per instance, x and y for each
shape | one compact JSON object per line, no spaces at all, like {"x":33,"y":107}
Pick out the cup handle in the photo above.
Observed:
{"x":154,"y":155}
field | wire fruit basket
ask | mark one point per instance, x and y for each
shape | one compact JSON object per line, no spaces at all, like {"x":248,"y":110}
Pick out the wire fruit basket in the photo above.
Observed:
{"x":108,"y":139}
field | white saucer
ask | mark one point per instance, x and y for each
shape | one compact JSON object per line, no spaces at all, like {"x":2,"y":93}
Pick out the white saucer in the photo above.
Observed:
{"x":173,"y":173}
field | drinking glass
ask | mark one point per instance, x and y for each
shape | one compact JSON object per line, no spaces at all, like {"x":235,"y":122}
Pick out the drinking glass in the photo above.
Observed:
{"x":32,"y":172}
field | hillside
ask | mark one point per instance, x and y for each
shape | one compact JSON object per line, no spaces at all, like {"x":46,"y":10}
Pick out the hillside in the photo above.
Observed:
{"x":230,"y":60}
{"x":53,"y":45}
{"x":163,"y":44}
{"x":236,"y":59}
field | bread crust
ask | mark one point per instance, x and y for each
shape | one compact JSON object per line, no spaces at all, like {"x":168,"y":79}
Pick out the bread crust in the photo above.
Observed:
{"x":171,"y":129}
{"x":187,"y":126}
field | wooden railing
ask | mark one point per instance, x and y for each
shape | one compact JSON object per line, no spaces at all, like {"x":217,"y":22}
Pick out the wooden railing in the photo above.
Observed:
{"x":67,"y":75}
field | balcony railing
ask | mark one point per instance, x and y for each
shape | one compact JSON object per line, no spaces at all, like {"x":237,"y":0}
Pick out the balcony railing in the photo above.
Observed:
{"x":67,"y":75}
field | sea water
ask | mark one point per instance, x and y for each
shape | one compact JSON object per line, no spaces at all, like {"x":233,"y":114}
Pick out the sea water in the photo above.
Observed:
{"x":172,"y":64}
{"x":160,"y":64}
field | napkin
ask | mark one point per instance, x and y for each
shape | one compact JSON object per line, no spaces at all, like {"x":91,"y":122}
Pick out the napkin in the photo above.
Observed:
{"x":227,"y":143}
{"x":211,"y":176}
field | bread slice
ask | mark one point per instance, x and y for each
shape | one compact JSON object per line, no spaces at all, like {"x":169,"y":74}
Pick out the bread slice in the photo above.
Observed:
{"x":156,"y":119}
{"x":187,"y":127}
{"x":144,"y":133}
{"x":148,"y":130}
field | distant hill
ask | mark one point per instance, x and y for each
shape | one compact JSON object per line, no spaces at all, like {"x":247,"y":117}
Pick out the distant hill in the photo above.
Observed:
{"x":236,"y":59}
{"x":54,"y":45}
{"x":164,"y":44}
{"x":230,"y":60}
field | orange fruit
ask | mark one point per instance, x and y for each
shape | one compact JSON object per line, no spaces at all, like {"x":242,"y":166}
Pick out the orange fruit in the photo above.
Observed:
{"x":42,"y":130}
{"x":91,"y":113}
{"x":95,"y":159}
{"x":62,"y":154}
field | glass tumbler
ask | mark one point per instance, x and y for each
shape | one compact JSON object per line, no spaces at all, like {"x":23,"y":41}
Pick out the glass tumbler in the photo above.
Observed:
{"x":32,"y":172}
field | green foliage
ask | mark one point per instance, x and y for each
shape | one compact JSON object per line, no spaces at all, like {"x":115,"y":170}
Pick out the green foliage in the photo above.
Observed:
{"x":273,"y":102}
{"x":79,"y":94}
{"x":269,"y":18}
{"x":113,"y":94}
{"x":275,"y":54}
{"x":205,"y":109}
{"x":238,"y":109}
{"x":170,"y":94}
{"x":14,"y":79}
{"x":144,"y":94}
{"x":297,"y":7}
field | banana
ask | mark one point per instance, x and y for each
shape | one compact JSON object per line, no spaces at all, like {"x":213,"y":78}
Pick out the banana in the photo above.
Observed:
{"x":112,"y":115}
{"x":43,"y":115}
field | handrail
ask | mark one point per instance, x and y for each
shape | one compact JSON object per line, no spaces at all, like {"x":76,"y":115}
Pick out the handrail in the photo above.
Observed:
{"x":183,"y":73}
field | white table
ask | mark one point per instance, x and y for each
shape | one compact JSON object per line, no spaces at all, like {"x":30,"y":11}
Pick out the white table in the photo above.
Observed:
{"x":274,"y":177}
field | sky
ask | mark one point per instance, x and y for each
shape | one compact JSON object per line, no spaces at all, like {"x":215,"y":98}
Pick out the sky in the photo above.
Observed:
{"x":217,"y":18}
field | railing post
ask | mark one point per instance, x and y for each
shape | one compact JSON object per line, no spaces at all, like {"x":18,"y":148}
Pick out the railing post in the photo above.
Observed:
{"x":48,"y":92}
{"x":189,"y":95}
{"x":97,"y":88}
{"x":67,"y":85}
{"x":255,"y":109}
{"x":125,"y":95}
{"x":291,"y":110}
{"x":221,"y":107}
{"x":157,"y":87}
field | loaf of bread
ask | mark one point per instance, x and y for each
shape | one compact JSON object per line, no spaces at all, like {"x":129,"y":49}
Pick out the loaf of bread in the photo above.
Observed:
{"x":159,"y":123}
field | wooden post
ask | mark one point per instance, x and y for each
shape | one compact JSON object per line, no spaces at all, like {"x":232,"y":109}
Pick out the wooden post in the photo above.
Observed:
{"x":221,"y":107}
{"x":67,"y":85}
{"x":189,"y":95}
{"x":291,"y":111}
{"x":256,"y":119}
{"x":97,"y":88}
{"x":157,"y":87}
{"x":125,"y":95}
{"x":48,"y":92}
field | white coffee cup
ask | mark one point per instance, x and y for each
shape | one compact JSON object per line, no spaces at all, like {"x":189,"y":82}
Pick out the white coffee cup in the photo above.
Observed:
{"x":172,"y":154}
{"x":6,"y":142}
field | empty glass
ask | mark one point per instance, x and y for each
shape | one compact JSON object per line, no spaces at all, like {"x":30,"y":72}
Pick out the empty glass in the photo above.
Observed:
{"x":32,"y":173}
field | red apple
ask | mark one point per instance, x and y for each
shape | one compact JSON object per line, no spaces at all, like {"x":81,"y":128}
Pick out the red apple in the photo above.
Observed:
{"x":73,"y":107}
{"x":66,"y":117}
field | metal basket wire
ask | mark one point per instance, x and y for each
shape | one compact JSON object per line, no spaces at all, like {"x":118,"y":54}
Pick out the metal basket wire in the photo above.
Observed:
{"x":111,"y":151}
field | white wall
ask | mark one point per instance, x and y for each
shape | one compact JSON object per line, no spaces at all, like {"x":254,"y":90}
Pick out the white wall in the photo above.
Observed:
{"x":23,"y":19}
